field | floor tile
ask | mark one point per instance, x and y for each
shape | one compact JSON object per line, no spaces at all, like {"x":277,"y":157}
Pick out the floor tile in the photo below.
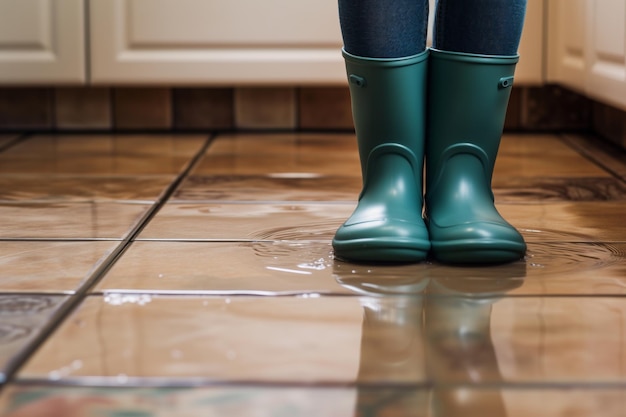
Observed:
{"x":523,"y":190}
{"x":49,"y":266}
{"x":289,"y":187}
{"x":6,"y":138}
{"x":410,"y":340}
{"x":222,"y":268}
{"x":583,"y":221}
{"x":278,"y":339}
{"x":69,"y":220}
{"x":21,"y":319}
{"x":101,"y":154}
{"x":281,"y":154}
{"x":279,"y":268}
{"x":109,"y":145}
{"x":566,"y":221}
{"x":209,"y":221}
{"x":66,"y":188}
{"x":27,"y":401}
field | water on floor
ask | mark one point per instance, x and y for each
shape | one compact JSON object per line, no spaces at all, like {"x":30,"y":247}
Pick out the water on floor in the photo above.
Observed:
{"x":192,"y":275}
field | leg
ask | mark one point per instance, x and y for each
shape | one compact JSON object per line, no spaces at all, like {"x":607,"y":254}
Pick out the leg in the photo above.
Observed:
{"x":469,"y":87}
{"x":389,"y":29}
{"x":386,"y":65}
{"x":487,"y":27}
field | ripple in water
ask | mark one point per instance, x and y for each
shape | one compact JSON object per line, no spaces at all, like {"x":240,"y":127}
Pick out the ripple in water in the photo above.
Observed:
{"x":549,"y":252}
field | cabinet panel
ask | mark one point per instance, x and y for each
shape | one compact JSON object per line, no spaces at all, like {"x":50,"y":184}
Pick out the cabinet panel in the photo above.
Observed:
{"x":240,"y":42}
{"x":217,"y":41}
{"x":607,"y":72}
{"x":42,"y":41}
{"x":567,"y":44}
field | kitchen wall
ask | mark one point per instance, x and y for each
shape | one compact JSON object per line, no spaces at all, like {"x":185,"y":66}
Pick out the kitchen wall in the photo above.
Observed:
{"x":198,"y":64}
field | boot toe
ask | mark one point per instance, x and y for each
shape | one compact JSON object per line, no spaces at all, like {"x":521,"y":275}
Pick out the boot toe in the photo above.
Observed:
{"x":477,"y":243}
{"x":385,"y":240}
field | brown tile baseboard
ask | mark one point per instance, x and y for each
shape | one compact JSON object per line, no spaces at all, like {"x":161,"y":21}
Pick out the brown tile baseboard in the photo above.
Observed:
{"x":545,"y":108}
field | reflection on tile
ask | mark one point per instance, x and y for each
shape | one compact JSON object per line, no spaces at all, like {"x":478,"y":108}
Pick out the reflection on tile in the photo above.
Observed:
{"x":241,"y":268}
{"x":118,"y":338}
{"x":27,"y":401}
{"x":278,"y":268}
{"x":247,"y":221}
{"x":82,"y":188}
{"x":21,"y":318}
{"x":19,"y":401}
{"x":49,"y":266}
{"x":68,"y":220}
{"x":444,"y":338}
{"x":289,"y":187}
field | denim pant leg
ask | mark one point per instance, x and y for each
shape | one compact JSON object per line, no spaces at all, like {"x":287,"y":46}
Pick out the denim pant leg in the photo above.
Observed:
{"x":489,"y":27}
{"x":384,"y":28}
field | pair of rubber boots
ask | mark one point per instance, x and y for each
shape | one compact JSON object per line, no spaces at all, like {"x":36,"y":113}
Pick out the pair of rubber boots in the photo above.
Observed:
{"x":449,"y":109}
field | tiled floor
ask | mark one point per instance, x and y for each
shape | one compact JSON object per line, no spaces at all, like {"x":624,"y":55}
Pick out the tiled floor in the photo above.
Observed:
{"x":192,"y":275}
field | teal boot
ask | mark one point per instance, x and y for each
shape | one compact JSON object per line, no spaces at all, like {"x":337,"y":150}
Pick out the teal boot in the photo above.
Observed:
{"x":468,"y":98}
{"x":388,"y":99}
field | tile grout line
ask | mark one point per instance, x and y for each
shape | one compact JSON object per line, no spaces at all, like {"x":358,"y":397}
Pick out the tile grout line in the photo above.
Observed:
{"x":13,"y":142}
{"x":581,"y":149}
{"x":74,"y":300}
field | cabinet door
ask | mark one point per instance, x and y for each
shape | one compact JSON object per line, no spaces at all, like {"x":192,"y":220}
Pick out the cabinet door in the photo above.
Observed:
{"x":607,"y":51}
{"x":567,"y":43}
{"x":42,"y":41}
{"x":529,"y":71}
{"x":215,"y":41}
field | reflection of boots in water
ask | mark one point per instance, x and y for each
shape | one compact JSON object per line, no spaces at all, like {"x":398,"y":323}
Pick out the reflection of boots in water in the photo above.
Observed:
{"x":392,"y":345}
{"x":459,"y":347}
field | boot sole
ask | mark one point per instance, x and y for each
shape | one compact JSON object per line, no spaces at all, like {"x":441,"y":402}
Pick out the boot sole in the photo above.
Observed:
{"x":478,"y":252}
{"x":375,"y":250}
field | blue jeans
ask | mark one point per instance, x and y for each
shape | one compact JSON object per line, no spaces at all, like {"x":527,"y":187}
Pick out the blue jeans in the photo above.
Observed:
{"x":398,"y":28}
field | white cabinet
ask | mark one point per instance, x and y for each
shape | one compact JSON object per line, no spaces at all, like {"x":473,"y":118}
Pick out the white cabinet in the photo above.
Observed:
{"x":42,"y":41}
{"x":529,"y":71}
{"x":607,"y":51}
{"x":215,"y":41}
{"x":240,"y":42}
{"x":587,"y":48}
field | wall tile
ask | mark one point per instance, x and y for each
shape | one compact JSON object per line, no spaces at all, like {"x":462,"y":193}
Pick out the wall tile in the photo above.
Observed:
{"x":142,"y":108}
{"x":554,"y":108}
{"x":610,"y":123}
{"x":512,"y":121}
{"x":325,"y":108}
{"x":203,"y":108}
{"x":83,"y":108}
{"x":265,"y":108}
{"x":26,"y":108}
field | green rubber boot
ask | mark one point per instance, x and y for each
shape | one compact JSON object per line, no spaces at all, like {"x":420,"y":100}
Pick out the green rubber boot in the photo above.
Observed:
{"x":468,"y":98}
{"x":388,"y":107}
